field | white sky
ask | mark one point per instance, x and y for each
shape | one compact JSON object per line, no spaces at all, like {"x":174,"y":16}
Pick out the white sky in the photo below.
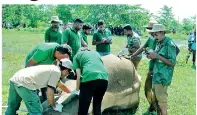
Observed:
{"x":181,"y":8}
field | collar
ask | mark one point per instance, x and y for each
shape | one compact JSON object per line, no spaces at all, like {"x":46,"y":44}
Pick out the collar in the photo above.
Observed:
{"x":71,"y":28}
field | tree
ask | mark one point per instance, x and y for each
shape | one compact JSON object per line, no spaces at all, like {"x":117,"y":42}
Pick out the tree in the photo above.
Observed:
{"x":188,"y":24}
{"x":166,"y":17}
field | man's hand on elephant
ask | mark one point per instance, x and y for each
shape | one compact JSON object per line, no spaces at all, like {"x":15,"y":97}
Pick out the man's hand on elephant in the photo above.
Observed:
{"x":127,"y":57}
{"x":75,"y":92}
{"x":120,"y":56}
{"x":132,"y":56}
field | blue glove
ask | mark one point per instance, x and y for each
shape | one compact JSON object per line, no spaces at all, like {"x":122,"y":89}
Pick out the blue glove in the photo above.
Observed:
{"x":75,"y":92}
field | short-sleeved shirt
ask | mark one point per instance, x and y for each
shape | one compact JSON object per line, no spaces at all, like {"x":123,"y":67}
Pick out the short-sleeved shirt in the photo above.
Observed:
{"x":36,"y":77}
{"x":53,"y":36}
{"x":43,"y":53}
{"x":151,"y":43}
{"x":91,"y":65}
{"x":98,"y":36}
{"x":162,"y":73}
{"x":192,"y":42}
{"x":132,"y":40}
{"x":73,"y":39}
{"x":84,"y":36}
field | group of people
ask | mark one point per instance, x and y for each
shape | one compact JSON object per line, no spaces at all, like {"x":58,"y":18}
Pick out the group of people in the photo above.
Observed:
{"x":49,"y":63}
{"x":64,"y":51}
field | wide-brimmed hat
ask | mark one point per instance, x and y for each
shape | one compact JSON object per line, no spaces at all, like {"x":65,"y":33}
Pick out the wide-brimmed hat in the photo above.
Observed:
{"x":158,"y":28}
{"x":55,"y":19}
{"x":150,"y":24}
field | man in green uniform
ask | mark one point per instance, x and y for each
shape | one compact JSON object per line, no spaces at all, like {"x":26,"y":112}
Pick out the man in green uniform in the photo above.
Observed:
{"x":133,"y":44}
{"x":165,"y":60}
{"x":85,"y":31}
{"x":149,"y":44}
{"x":47,"y":53}
{"x":72,"y":37}
{"x":25,"y":81}
{"x":102,"y":39}
{"x":53,"y":34}
{"x":92,"y":80}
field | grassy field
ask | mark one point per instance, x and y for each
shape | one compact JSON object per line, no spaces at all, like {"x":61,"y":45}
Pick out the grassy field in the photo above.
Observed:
{"x":182,"y":92}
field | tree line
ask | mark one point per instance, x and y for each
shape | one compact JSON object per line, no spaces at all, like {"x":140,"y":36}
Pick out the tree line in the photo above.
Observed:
{"x":39,"y":15}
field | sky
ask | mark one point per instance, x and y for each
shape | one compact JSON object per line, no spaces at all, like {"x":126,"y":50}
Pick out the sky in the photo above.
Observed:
{"x":181,"y":9}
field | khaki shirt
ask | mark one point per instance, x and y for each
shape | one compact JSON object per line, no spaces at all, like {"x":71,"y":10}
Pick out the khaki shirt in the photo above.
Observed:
{"x":37,"y":77}
{"x":131,"y":41}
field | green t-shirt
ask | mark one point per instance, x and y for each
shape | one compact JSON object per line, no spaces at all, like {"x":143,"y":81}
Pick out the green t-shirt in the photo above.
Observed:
{"x":91,"y":65}
{"x":162,"y":73}
{"x":151,"y":43}
{"x":98,"y":37}
{"x":73,"y":39}
{"x":53,"y":36}
{"x":132,"y":40}
{"x":43,"y":53}
{"x":84,"y":36}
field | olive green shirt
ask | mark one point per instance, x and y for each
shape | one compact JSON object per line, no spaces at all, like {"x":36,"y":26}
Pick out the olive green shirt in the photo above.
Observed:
{"x":73,"y":39}
{"x":162,"y":73}
{"x":43,"y":53}
{"x":131,"y":41}
{"x":53,"y":36}
{"x":91,"y":65}
{"x":98,"y":37}
{"x":151,"y":43}
{"x":84,"y":36}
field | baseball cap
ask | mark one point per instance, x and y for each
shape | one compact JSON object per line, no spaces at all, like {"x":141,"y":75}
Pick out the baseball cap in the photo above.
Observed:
{"x":66,"y":63}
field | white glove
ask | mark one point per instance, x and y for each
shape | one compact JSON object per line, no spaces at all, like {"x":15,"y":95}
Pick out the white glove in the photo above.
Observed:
{"x":58,"y":107}
{"x":75,"y":92}
{"x":123,"y":51}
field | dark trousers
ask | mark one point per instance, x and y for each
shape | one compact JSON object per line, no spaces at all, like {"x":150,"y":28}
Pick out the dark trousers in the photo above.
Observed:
{"x":44,"y":94}
{"x":92,"y":89}
{"x":194,"y":56}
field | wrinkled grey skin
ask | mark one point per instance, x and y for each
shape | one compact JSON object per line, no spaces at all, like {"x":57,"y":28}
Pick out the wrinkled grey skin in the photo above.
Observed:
{"x":122,"y":93}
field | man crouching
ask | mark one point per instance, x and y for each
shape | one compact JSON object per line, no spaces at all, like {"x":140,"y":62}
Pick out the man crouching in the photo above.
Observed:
{"x":27,"y":80}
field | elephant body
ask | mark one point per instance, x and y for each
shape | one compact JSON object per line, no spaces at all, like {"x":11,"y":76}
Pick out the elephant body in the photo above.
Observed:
{"x":122,"y":92}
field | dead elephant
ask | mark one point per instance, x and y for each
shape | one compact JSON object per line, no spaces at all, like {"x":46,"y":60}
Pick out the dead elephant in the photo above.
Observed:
{"x":122,"y":93}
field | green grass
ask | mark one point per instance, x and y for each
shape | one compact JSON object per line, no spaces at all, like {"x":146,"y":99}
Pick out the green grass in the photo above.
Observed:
{"x":182,"y":92}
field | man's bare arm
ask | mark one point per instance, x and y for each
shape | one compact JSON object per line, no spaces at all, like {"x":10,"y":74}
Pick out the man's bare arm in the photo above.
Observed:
{"x":31,"y":62}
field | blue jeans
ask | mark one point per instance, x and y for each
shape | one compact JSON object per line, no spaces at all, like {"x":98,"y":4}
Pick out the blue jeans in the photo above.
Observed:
{"x":104,"y":53}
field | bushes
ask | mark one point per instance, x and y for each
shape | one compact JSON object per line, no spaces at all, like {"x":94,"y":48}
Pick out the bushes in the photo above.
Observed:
{"x":36,"y":30}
